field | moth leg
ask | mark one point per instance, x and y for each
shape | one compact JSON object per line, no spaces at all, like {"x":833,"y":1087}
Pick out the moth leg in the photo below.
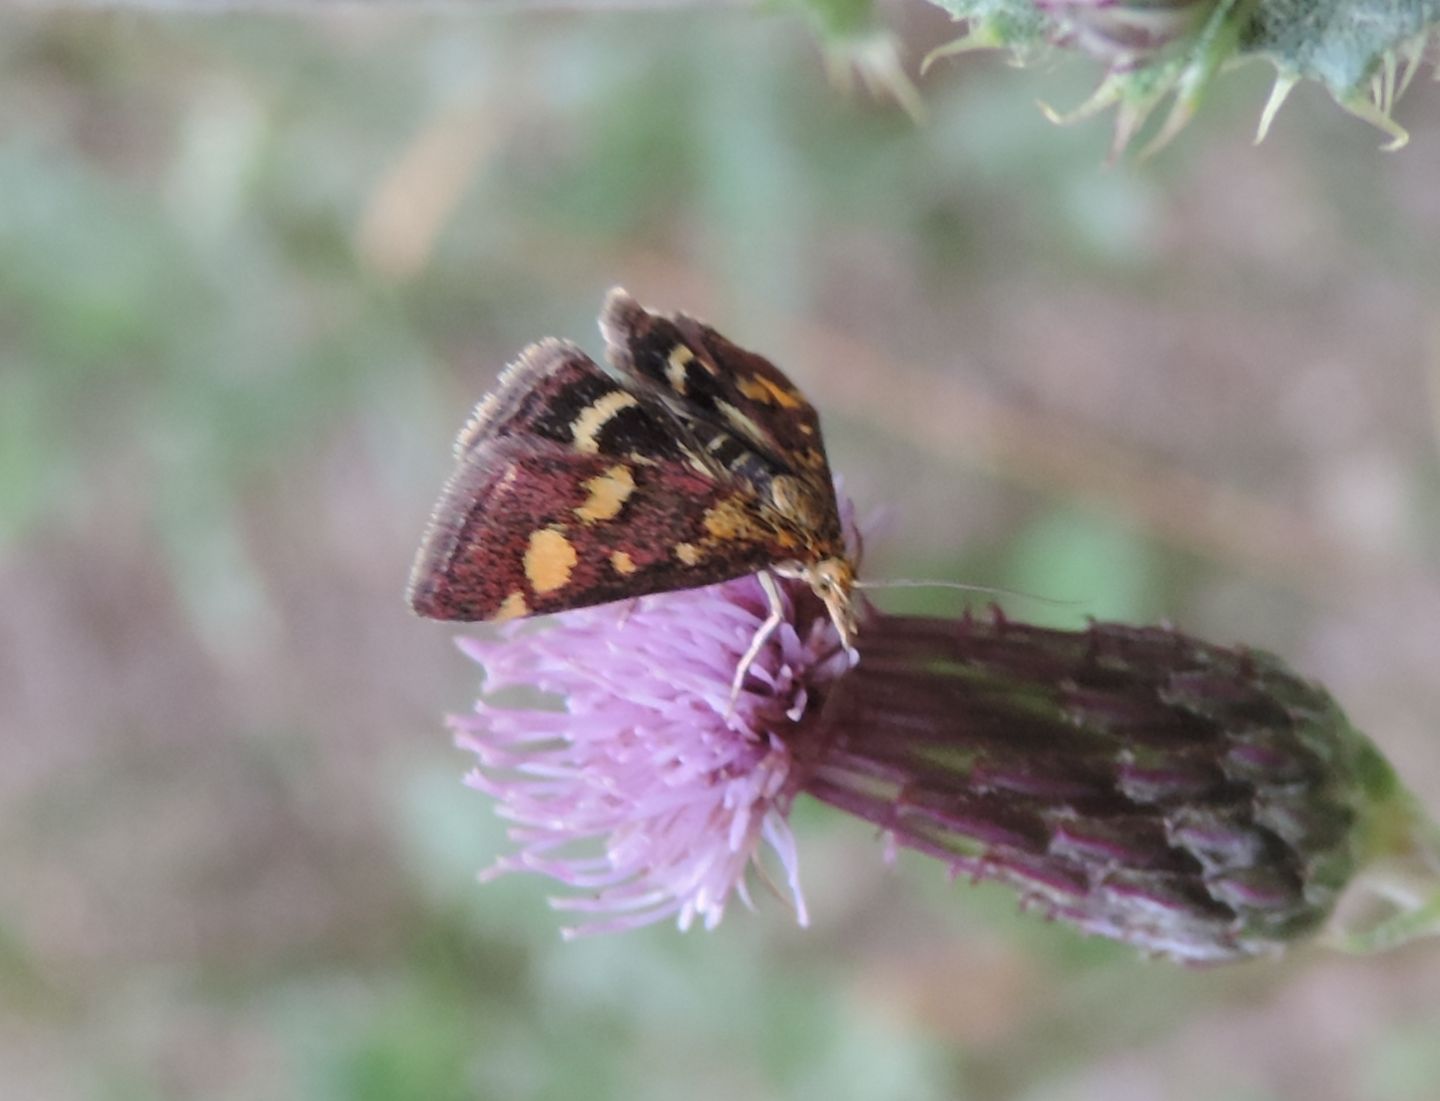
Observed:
{"x":627,"y":609}
{"x":762,"y":635}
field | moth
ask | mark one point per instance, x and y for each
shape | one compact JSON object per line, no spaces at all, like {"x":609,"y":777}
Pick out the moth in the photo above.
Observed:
{"x":692,"y":461}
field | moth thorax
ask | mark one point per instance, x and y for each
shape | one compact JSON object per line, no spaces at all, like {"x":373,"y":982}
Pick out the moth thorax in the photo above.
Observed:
{"x":833,"y":580}
{"x":797,"y":501}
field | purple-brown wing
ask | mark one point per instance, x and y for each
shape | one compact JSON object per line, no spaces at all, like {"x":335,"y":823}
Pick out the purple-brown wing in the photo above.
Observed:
{"x":555,"y":393}
{"x":705,"y":377}
{"x":525,"y":527}
{"x":572,"y":489}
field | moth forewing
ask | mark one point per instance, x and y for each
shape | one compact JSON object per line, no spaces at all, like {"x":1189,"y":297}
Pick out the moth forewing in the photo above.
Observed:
{"x":695,"y":462}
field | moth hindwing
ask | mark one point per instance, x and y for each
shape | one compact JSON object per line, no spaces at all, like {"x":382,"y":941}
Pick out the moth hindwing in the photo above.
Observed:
{"x":573,"y":487}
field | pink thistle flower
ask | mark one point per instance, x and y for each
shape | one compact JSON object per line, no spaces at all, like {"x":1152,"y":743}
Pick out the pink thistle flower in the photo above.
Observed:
{"x":649,"y":764}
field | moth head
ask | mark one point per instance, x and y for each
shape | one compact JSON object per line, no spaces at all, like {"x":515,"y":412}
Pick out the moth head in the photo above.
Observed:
{"x":833,"y":580}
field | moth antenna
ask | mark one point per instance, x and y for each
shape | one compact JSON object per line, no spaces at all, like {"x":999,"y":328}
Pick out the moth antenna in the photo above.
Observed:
{"x":960,"y":586}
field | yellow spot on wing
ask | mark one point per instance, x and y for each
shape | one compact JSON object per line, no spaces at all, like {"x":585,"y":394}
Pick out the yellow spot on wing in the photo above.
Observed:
{"x":608,"y":494}
{"x":622,"y":563}
{"x":688,"y":553}
{"x":723,"y":521}
{"x":746,"y":426}
{"x":734,"y":518}
{"x":586,"y":427}
{"x":675,"y":368}
{"x":548,"y":560}
{"x":797,"y":501}
{"x":761,"y":389}
{"x":513,"y":607}
{"x":696,"y":463}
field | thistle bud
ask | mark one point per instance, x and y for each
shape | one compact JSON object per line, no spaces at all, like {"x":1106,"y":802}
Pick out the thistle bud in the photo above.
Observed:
{"x":1198,"y":802}
{"x":1364,"y":52}
{"x":1123,"y":32}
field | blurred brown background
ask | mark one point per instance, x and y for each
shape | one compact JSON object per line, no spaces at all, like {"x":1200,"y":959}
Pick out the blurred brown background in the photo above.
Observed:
{"x":253,"y":273}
